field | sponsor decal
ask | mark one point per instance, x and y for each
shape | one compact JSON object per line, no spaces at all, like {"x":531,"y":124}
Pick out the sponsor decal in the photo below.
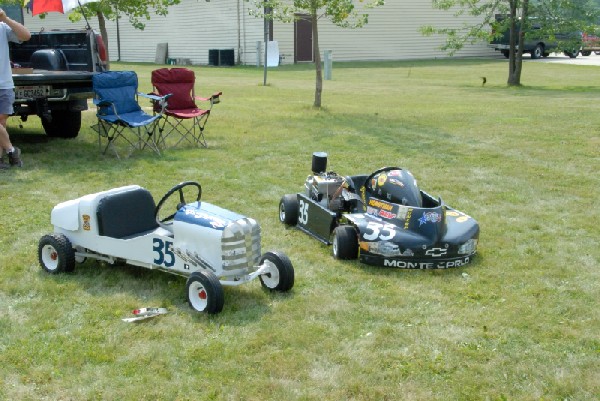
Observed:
{"x":441,"y":264}
{"x":395,"y":173}
{"x":86,"y":222}
{"x":408,"y":216}
{"x":380,"y":204}
{"x":429,"y":217}
{"x":215,"y":222}
{"x":436,"y":252}
{"x":381,"y":179}
{"x":386,"y":215}
{"x":396,"y":182}
{"x":460,"y":216}
{"x":402,"y":211}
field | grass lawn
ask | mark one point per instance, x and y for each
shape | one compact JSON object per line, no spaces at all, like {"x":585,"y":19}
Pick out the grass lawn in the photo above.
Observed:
{"x":519,"y":323}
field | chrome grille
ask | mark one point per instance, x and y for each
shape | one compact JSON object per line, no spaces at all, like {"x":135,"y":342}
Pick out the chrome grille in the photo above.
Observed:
{"x":240,"y":244}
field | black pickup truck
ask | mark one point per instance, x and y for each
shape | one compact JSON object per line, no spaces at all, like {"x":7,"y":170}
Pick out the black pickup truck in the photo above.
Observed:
{"x":54,"y":80}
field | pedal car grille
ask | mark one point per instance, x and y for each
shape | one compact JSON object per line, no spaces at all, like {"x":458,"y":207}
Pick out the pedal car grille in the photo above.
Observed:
{"x":240,"y":244}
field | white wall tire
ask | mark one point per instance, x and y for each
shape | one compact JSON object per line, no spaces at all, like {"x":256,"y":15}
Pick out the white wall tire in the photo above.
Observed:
{"x":280,"y":272}
{"x":205,"y":292}
{"x":56,"y":254}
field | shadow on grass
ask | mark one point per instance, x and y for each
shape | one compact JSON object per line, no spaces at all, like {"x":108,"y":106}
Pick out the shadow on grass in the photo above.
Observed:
{"x":243,"y":304}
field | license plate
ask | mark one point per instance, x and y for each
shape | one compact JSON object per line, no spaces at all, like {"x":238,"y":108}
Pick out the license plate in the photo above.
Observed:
{"x":28,"y":92}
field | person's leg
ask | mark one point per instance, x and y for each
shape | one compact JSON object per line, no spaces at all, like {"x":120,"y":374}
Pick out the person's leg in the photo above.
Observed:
{"x":7,"y":97}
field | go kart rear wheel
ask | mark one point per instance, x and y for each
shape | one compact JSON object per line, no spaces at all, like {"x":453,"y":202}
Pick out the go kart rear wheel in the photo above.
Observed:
{"x":205,"y":292}
{"x":280,"y":275}
{"x":56,"y":254}
{"x":345,"y":243}
{"x":288,"y":210}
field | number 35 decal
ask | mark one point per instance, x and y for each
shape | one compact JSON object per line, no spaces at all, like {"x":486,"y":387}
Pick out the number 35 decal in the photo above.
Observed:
{"x":383,"y":232}
{"x":164,"y":252}
{"x":303,"y":212}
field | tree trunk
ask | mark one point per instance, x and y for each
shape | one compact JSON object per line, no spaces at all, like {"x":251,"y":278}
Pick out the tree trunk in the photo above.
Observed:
{"x":515,"y":62}
{"x":317,"y":57}
{"x":104,"y":33}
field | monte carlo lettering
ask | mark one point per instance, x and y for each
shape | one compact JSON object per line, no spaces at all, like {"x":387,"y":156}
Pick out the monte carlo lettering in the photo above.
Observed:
{"x":442,"y":264}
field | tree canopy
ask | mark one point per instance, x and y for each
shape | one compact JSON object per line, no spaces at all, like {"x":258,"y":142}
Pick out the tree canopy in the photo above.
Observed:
{"x":559,"y":20}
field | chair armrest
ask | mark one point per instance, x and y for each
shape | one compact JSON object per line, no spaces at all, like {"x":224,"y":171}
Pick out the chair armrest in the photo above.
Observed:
{"x":159,"y":102}
{"x":214,"y":99}
{"x":154,"y":96}
{"x":102,"y":102}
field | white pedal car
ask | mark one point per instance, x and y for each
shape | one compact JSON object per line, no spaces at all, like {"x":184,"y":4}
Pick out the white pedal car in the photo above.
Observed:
{"x":209,"y":245}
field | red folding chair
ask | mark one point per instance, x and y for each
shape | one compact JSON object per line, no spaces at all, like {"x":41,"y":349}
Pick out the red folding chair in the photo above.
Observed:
{"x":181,"y":106}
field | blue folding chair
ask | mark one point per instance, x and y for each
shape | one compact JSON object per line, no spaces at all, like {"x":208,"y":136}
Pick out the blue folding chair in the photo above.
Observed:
{"x":120,"y":117}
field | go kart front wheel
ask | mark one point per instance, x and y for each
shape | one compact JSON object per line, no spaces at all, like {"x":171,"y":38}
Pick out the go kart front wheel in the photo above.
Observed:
{"x":205,"y":292}
{"x":280,"y":275}
{"x":56,"y":254}
{"x":288,"y":210}
{"x":345,"y":243}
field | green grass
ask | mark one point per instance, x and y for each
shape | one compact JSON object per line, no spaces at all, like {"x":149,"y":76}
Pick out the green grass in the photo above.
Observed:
{"x":520,"y":323}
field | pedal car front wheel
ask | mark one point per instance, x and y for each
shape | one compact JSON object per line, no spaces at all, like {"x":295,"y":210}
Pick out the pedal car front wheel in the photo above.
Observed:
{"x":205,"y":292}
{"x":280,"y":275}
{"x":56,"y":254}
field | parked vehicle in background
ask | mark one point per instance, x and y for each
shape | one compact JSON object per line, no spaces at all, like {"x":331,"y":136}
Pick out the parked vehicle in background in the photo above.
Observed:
{"x":591,"y":43}
{"x":539,"y":45}
{"x":53,"y":76}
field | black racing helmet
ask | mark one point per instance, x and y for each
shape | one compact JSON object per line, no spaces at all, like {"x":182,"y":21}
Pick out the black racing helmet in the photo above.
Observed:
{"x":395,"y":185}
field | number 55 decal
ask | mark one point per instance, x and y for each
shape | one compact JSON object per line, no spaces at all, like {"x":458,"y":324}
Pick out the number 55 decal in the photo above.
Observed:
{"x":383,"y":232}
{"x":164,"y":252}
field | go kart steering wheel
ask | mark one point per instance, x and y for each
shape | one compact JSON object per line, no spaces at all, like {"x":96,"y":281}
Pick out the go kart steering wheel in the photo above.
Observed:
{"x":177,"y":188}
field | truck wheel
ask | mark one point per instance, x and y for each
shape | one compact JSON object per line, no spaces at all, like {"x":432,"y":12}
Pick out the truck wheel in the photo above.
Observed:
{"x":280,"y":275}
{"x":505,"y":53}
{"x":288,"y":210}
{"x":586,"y":53}
{"x":537,"y":52}
{"x":572,"y":54}
{"x":345,"y":243}
{"x":56,"y":254}
{"x":205,"y":292}
{"x":64,"y":124}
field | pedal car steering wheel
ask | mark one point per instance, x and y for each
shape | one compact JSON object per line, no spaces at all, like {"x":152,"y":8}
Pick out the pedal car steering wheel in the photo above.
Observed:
{"x":167,"y":221}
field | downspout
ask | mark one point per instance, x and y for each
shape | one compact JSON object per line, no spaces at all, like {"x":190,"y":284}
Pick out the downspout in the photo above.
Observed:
{"x":239,"y":58}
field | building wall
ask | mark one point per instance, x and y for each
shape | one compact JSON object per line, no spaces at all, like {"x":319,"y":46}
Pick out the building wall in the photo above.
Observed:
{"x":194,"y":27}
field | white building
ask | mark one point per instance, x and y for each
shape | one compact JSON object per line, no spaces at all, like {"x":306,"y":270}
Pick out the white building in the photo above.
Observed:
{"x":195,"y":27}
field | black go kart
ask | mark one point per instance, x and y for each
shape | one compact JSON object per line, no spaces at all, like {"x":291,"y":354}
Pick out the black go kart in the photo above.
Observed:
{"x":382,"y":218}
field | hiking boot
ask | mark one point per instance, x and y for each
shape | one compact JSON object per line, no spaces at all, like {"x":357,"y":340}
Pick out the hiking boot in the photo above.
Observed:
{"x":14,"y":158}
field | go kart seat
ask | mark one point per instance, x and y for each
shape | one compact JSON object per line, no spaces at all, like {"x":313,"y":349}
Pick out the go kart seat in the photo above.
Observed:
{"x":126,"y":214}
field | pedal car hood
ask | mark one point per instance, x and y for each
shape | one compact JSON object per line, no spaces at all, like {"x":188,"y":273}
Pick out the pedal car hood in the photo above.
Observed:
{"x":205,"y":214}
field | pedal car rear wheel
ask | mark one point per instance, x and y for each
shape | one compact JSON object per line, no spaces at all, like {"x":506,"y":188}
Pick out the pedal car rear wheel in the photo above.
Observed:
{"x":288,"y":210}
{"x":205,"y":292}
{"x":280,"y":275}
{"x":56,"y":254}
{"x":345,"y":243}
